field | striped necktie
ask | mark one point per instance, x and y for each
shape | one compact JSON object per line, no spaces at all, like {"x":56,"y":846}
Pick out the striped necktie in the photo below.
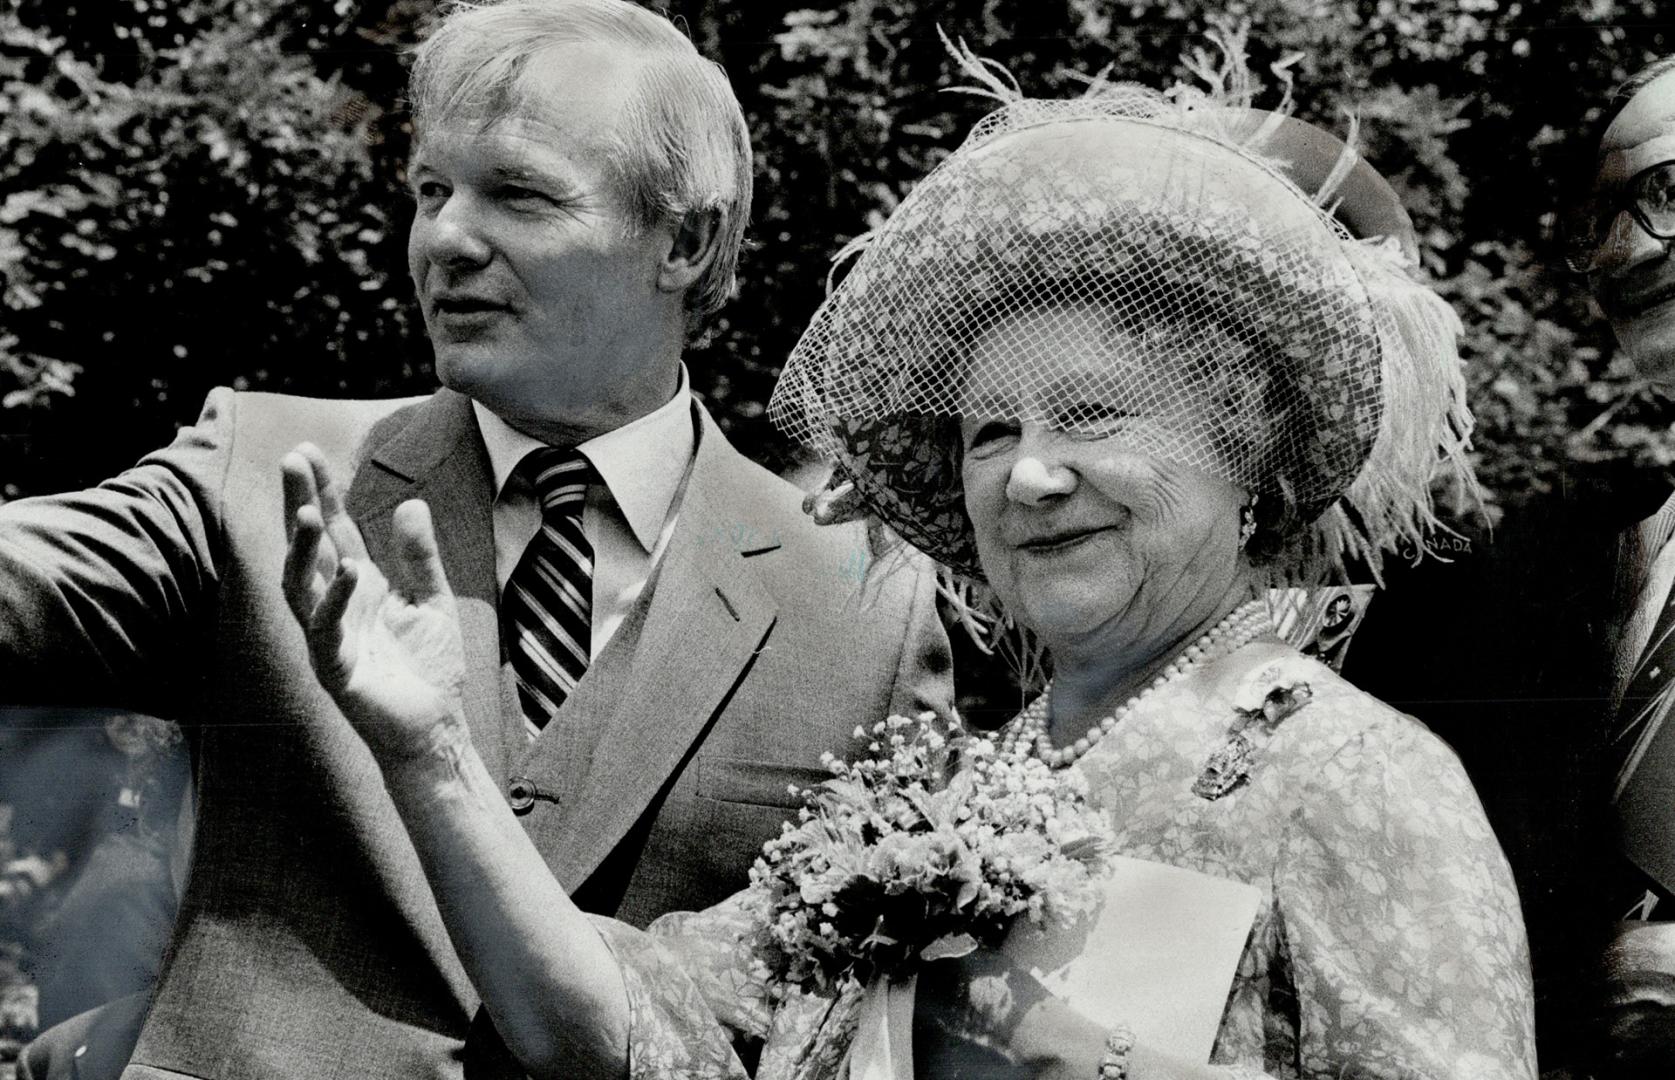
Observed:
{"x":547,"y":610}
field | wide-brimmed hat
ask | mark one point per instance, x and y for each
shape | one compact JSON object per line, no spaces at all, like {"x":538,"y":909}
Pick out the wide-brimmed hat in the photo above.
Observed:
{"x":1299,"y":361}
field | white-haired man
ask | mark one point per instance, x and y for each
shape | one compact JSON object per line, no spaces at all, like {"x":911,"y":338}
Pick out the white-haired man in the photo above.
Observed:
{"x":657,"y":644}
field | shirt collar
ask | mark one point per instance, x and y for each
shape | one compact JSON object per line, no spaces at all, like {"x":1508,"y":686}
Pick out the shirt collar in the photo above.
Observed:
{"x":642,"y":462}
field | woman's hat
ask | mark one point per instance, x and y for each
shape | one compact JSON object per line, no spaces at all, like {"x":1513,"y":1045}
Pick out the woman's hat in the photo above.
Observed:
{"x":1313,"y":368}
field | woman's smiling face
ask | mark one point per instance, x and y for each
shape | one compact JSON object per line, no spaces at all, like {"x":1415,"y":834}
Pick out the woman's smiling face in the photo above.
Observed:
{"x":1086,"y":530}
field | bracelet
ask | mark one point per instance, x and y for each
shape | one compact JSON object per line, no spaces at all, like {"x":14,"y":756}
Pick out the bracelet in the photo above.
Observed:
{"x":1113,"y":1063}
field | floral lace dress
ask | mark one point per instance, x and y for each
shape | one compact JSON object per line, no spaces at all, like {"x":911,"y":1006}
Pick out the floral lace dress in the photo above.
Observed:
{"x":1388,"y":940}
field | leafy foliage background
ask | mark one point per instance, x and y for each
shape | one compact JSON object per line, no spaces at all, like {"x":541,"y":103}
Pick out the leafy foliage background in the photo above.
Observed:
{"x":210,"y":192}
{"x":204,"y":192}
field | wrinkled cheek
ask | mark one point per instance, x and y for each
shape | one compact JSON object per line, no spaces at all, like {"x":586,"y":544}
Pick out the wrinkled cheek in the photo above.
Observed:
{"x":1176,"y":497}
{"x":1170,"y":498}
{"x":1136,"y":484}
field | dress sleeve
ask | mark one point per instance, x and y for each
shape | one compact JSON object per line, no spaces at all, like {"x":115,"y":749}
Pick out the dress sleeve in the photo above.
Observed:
{"x":1403,"y":929}
{"x":699,"y":993}
{"x":693,"y":989}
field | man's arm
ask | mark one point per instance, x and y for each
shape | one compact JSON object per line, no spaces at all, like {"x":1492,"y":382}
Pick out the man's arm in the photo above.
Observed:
{"x":100,"y":590}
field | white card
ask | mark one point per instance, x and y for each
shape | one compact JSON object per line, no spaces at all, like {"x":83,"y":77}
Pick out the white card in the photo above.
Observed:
{"x":1158,"y":956}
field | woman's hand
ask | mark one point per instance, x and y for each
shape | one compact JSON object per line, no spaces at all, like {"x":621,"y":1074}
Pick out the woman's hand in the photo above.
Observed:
{"x":388,"y":650}
{"x":390,"y":653}
{"x":983,"y":1015}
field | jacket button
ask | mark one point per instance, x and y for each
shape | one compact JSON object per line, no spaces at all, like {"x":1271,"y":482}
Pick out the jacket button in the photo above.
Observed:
{"x":521,"y":794}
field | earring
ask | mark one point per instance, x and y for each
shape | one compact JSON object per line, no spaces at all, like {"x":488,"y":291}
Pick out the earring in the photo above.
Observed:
{"x":1247,"y":522}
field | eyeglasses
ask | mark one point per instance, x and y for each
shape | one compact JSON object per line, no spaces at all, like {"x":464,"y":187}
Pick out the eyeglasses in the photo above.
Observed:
{"x":1649,"y":198}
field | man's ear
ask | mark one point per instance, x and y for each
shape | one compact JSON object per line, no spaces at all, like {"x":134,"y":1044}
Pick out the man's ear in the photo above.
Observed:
{"x":692,"y":250}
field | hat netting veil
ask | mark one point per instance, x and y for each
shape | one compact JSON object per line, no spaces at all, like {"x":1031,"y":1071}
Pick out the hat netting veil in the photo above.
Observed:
{"x":1251,"y":335}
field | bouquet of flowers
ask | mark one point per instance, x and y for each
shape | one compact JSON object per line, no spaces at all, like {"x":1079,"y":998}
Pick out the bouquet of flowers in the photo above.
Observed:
{"x":928,"y":847}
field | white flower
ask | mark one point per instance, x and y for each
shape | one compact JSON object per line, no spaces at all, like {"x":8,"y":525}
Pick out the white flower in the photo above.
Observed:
{"x":964,"y":853}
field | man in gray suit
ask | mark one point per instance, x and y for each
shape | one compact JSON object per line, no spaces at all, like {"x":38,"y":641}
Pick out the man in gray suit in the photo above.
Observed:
{"x":582,"y":179}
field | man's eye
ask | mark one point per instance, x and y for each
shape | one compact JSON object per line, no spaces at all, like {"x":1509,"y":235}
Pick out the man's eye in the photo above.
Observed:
{"x":430,"y":190}
{"x":1656,"y":192}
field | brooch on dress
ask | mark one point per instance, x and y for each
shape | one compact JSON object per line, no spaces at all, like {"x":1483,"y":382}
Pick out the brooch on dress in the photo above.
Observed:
{"x":1230,"y":764}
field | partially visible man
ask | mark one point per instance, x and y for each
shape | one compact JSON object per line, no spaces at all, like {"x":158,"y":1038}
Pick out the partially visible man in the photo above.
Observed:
{"x":1519,"y":649}
{"x":1620,"y":237}
{"x":657,"y":643}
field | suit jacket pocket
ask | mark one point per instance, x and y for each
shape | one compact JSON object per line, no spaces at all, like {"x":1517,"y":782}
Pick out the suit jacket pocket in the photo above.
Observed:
{"x":758,"y":783}
{"x":137,"y":1071}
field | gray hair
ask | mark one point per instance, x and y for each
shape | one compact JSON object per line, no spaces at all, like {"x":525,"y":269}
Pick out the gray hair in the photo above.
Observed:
{"x":683,"y":146}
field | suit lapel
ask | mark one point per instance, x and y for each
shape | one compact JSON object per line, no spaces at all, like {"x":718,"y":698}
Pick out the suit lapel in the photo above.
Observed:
{"x":707,"y":617}
{"x":434,"y":452}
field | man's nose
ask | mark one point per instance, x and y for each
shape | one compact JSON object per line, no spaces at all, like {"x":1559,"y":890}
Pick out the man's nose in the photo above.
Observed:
{"x":1038,"y":472}
{"x":453,"y":236}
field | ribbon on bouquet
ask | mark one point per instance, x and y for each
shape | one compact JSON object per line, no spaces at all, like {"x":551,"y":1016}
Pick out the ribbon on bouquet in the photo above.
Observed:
{"x":883,"y":1046}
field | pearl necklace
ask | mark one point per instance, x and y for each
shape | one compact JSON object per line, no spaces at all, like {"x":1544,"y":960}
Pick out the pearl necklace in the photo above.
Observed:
{"x":1029,"y":731}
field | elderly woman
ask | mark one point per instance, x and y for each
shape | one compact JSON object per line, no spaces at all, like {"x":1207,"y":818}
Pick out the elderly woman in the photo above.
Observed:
{"x":1111,"y":363}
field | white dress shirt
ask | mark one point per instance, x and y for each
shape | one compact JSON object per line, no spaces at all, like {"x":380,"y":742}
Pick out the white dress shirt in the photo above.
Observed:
{"x":628,"y":519}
